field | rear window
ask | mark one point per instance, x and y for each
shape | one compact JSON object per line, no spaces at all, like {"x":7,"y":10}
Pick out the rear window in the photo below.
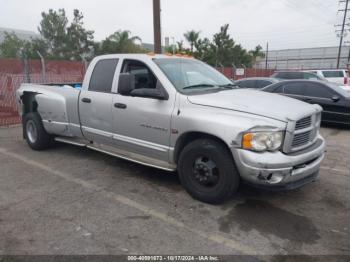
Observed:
{"x":333,"y":73}
{"x":102,"y":76}
{"x":289,"y":75}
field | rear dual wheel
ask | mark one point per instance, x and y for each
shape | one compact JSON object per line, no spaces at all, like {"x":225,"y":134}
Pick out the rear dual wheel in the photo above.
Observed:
{"x":34,"y":132}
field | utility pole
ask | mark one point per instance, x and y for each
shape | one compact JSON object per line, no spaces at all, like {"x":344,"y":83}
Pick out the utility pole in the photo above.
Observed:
{"x":341,"y":35}
{"x":267,"y":54}
{"x":156,"y":27}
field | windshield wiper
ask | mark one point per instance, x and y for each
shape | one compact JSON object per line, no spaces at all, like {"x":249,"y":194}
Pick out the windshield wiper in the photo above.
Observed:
{"x":198,"y":86}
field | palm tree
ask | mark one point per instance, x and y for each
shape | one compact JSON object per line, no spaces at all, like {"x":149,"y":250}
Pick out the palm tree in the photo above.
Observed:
{"x":124,"y":41}
{"x":192,"y":37}
{"x":257,"y":52}
{"x":119,"y":42}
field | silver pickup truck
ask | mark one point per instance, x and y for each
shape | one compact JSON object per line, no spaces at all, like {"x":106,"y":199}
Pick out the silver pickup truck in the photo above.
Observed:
{"x":177,"y":113}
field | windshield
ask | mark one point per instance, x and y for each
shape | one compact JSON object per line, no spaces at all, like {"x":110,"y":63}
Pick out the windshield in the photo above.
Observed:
{"x":188,"y":75}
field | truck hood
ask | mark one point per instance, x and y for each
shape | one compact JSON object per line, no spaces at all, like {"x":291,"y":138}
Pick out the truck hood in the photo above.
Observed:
{"x":255,"y":102}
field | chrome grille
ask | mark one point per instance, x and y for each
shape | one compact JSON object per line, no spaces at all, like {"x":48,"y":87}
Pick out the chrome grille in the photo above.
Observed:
{"x":301,"y":139}
{"x":303,"y":123}
{"x":303,"y":133}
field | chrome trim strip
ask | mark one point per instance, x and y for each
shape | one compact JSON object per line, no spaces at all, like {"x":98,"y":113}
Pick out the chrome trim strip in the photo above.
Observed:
{"x":127,"y":139}
{"x":60,"y":123}
{"x":141,"y":143}
{"x":97,"y":131}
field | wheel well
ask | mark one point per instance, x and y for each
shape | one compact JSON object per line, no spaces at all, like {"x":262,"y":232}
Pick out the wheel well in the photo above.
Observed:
{"x":29,"y":102}
{"x":29,"y":105}
{"x":187,"y":138}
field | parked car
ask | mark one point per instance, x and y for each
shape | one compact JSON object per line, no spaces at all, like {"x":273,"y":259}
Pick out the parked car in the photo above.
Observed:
{"x":334,"y":100}
{"x":177,"y":113}
{"x":255,"y":82}
{"x":296,"y":75}
{"x":338,"y":76}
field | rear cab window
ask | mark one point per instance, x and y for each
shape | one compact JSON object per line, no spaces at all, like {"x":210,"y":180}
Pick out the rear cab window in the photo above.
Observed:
{"x":102,"y":76}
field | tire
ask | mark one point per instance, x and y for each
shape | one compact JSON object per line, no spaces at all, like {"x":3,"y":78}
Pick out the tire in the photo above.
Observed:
{"x":213,"y":186}
{"x":34,"y":132}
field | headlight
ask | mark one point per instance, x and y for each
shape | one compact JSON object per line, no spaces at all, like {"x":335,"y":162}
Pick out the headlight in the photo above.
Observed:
{"x":262,"y":141}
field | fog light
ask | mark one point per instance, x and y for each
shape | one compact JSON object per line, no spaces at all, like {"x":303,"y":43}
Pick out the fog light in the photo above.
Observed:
{"x":276,"y":178}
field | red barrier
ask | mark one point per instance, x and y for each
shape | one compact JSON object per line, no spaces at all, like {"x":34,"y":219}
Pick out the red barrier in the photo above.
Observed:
{"x":248,"y":72}
{"x":12,"y":76}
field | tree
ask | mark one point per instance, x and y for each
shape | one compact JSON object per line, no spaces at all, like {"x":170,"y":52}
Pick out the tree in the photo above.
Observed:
{"x":12,"y":46}
{"x":223,"y":46}
{"x":63,"y":40}
{"x":53,"y":29}
{"x":120,"y":42}
{"x":257,"y":52}
{"x":192,"y":37}
{"x":80,"y":40}
{"x":204,"y":51}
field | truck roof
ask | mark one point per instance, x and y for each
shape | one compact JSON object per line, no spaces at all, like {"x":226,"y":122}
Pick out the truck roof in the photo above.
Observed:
{"x":142,"y":56}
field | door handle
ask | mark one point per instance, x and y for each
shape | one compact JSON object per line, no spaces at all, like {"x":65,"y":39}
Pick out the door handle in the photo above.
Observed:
{"x":86,"y":100}
{"x":120,"y":105}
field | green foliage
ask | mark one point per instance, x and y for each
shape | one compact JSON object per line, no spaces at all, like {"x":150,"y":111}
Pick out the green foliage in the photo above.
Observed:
{"x":80,"y":40}
{"x":257,"y":52}
{"x":192,"y":37}
{"x":119,"y":42}
{"x":222,"y":50}
{"x":12,"y":46}
{"x":53,"y":29}
{"x":65,"y":41}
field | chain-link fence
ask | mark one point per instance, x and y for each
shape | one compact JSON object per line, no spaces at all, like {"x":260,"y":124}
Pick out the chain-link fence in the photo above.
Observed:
{"x":9,"y":83}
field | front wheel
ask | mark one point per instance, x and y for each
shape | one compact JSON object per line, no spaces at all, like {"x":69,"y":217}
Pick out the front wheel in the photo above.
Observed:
{"x":35,"y":134}
{"x":207,"y":171}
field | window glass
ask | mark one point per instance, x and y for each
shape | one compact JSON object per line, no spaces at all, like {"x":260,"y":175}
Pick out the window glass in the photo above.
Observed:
{"x":190,"y":75}
{"x":102,"y":75}
{"x":310,"y":76}
{"x":333,"y":73}
{"x":317,"y":90}
{"x":290,"y":75}
{"x":262,"y":83}
{"x":247,"y":84}
{"x":293,"y":88}
{"x":144,"y":78}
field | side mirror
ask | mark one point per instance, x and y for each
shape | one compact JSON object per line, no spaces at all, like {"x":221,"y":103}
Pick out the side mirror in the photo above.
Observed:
{"x":335,"y":98}
{"x":126,"y":84}
{"x":149,"y":93}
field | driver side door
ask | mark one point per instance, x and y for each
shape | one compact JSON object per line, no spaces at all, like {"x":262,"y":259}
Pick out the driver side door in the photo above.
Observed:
{"x":142,"y":125}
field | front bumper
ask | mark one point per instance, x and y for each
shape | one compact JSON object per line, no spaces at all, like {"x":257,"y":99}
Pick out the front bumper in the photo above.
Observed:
{"x":277,"y":170}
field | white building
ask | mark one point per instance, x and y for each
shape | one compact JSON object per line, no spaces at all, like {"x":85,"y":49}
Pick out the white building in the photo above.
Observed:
{"x":305,"y":58}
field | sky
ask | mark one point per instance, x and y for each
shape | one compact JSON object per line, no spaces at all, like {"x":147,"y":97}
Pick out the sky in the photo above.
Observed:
{"x":284,"y":24}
